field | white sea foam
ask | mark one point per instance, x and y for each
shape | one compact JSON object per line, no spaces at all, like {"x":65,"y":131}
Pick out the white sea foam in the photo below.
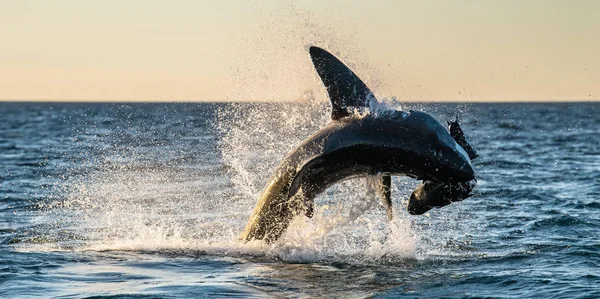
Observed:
{"x":346,"y":222}
{"x":130,"y":203}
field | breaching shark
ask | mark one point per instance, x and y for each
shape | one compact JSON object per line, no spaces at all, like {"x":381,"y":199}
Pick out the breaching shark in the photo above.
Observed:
{"x":359,"y":143}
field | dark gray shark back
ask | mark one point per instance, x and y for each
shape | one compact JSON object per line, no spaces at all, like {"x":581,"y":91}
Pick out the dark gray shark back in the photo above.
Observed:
{"x":412,"y":144}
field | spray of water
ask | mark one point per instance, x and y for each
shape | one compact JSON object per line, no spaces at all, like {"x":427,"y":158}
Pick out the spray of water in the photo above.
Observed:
{"x":144,"y":195}
{"x":132,"y":190}
{"x":348,"y":223}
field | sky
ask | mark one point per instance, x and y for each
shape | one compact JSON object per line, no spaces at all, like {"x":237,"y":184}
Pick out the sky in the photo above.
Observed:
{"x":146,"y":50}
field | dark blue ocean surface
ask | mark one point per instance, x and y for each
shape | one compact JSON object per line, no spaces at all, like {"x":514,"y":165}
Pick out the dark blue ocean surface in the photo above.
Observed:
{"x":148,"y":200}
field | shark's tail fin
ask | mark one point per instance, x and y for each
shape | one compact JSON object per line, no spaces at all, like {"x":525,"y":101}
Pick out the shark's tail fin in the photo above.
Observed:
{"x":346,"y":91}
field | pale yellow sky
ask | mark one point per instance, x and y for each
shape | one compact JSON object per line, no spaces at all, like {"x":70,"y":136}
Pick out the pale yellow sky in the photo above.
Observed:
{"x":143,"y":50}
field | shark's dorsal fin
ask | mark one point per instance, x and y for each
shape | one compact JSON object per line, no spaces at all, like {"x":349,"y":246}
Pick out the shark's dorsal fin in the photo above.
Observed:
{"x":346,"y":91}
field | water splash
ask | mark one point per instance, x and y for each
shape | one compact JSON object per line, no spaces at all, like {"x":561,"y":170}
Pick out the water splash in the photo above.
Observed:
{"x":346,"y":222}
{"x":146,"y":187}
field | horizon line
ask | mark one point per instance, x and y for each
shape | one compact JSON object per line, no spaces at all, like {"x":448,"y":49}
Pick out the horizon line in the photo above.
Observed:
{"x":92,"y":101}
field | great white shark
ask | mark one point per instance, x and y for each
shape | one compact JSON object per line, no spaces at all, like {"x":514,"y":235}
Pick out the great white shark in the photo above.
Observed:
{"x":358,"y":143}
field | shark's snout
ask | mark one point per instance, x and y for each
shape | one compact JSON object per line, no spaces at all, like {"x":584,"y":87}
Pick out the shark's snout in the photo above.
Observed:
{"x":457,"y":164}
{"x":461,"y":168}
{"x":465,"y":172}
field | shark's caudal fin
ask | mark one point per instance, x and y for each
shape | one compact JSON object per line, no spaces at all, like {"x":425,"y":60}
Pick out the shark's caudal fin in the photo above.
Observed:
{"x":345,"y":89}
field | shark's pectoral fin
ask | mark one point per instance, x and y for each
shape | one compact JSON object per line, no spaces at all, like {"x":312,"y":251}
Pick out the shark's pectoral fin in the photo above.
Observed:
{"x":385,"y":193}
{"x":380,"y":186}
{"x":459,"y":136}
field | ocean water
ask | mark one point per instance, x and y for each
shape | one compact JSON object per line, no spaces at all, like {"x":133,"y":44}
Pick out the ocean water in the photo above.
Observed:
{"x":148,"y":200}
